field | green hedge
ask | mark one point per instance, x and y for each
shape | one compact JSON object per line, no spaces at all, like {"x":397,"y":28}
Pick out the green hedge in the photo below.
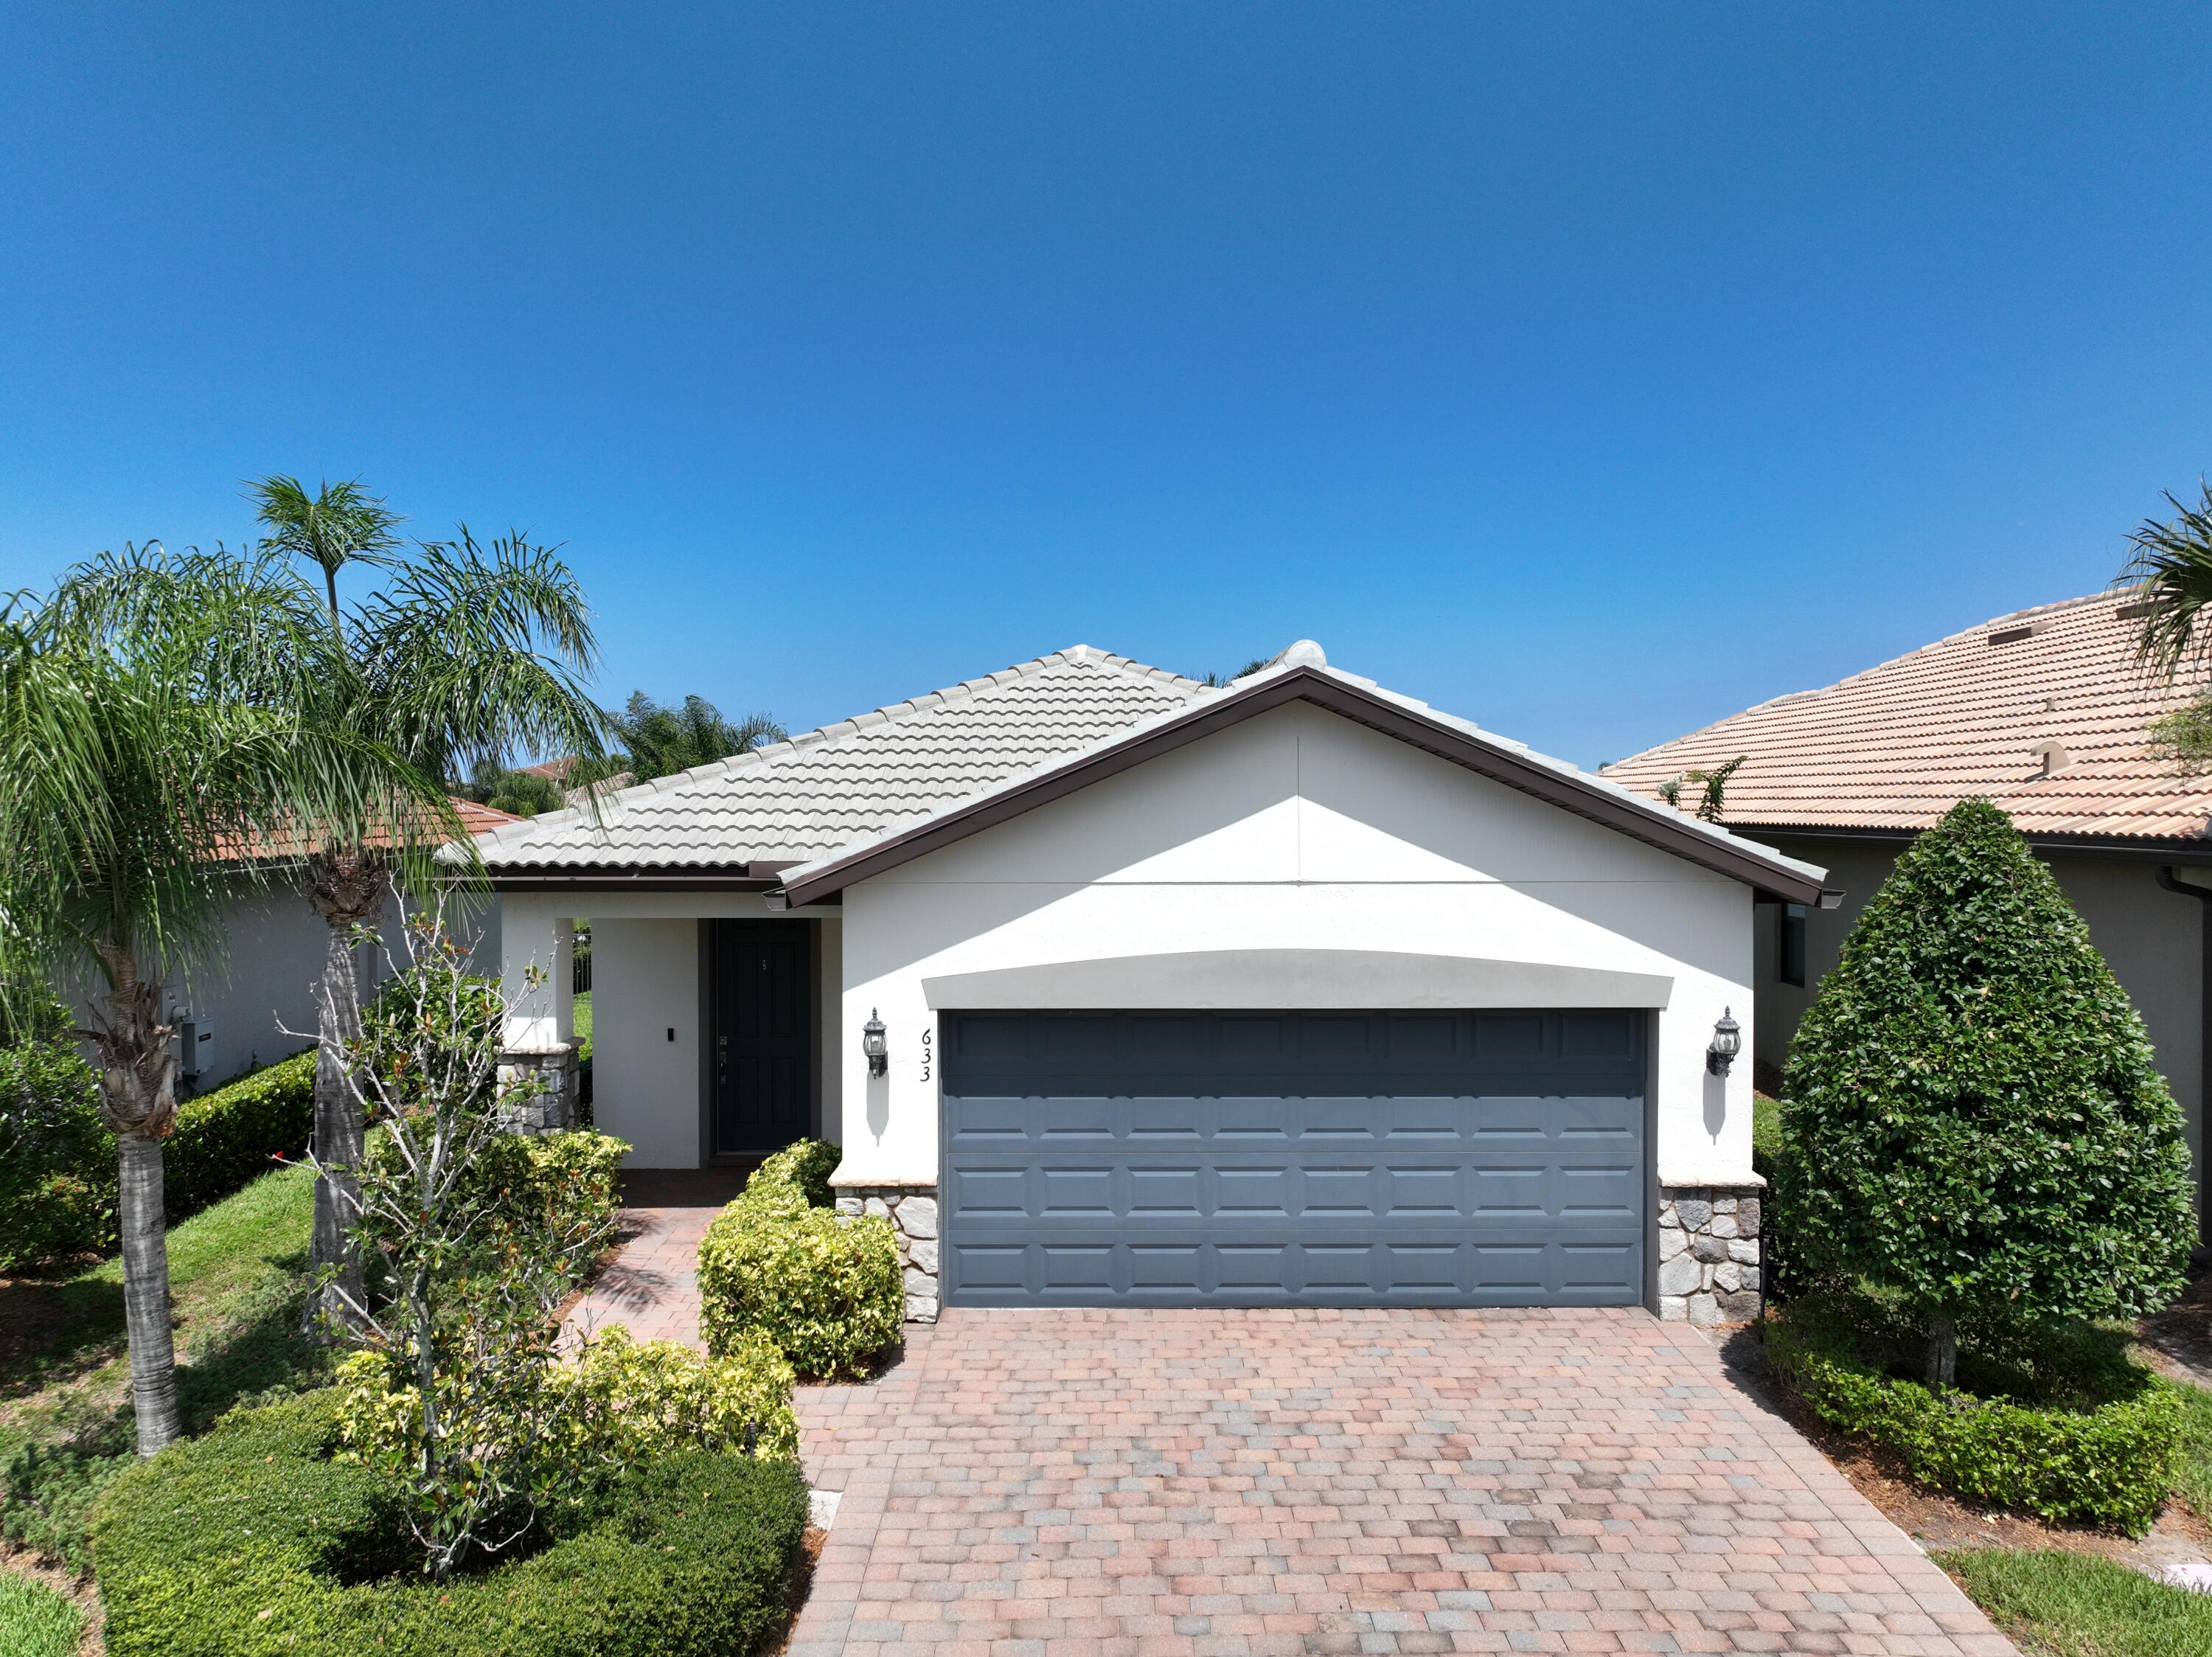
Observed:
{"x":228,"y":1136}
{"x":2105,"y":1459}
{"x":57,"y":1158}
{"x":253,"y":1541}
{"x":830,"y":1292}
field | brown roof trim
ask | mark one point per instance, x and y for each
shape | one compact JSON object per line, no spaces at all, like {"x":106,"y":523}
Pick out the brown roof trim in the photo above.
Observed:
{"x":1378,"y":712}
{"x":2103,"y":847}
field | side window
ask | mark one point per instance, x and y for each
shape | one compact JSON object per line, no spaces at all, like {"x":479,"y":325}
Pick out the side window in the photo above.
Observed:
{"x":1789,"y":958}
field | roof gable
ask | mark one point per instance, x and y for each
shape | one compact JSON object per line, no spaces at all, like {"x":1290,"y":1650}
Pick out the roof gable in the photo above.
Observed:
{"x":2044,"y":712}
{"x":1309,"y":680}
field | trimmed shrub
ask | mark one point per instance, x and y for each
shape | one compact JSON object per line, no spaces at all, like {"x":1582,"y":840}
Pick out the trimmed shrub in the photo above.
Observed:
{"x":830,"y":1292}
{"x":56,"y":1157}
{"x":253,"y":1542}
{"x":2104,"y":1456}
{"x":1973,"y":1118}
{"x":620,"y":1401}
{"x":231,"y":1135}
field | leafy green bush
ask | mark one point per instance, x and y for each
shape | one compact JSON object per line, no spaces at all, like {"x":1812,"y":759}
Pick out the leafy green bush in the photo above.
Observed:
{"x":830,"y":1292}
{"x":231,"y":1135}
{"x":2104,"y":1455}
{"x":568,"y":1181}
{"x":56,"y":1157}
{"x":253,"y":1542}
{"x":1972,"y":1117}
{"x":617,"y":1402}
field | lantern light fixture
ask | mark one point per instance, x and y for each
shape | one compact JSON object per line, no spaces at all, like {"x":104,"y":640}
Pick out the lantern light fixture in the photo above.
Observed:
{"x":1727,"y":1042}
{"x":875,"y":1045}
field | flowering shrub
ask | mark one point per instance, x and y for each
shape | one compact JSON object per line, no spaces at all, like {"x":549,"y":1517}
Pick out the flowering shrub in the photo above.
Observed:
{"x":830,"y":1292}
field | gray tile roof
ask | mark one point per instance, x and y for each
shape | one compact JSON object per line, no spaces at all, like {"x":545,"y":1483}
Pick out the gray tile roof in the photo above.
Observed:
{"x":828,"y":790}
{"x":1306,"y":654}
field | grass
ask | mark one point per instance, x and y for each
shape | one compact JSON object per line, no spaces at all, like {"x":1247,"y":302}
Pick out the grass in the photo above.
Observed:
{"x":2076,"y":1605}
{"x":35,"y":1621}
{"x":236,"y":1278}
{"x":582,"y":1020}
{"x":2193,"y":1466}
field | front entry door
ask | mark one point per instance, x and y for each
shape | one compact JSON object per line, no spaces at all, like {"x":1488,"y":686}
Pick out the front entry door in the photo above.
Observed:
{"x":760,"y":988}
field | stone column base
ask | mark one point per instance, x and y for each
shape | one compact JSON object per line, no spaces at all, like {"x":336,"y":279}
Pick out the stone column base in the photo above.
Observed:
{"x":555,"y":1108}
{"x":912,"y":1210}
{"x":1709,"y":1253}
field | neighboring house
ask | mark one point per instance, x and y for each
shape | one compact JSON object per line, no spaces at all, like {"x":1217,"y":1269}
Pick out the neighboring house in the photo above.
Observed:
{"x":271,"y":961}
{"x":1296,"y":991}
{"x":2045,"y":712}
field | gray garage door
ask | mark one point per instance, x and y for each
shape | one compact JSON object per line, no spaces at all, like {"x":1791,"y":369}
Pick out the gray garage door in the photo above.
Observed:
{"x":1311,"y":1159}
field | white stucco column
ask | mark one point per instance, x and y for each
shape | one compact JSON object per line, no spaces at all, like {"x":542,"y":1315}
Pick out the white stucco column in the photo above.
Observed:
{"x":540,"y":1017}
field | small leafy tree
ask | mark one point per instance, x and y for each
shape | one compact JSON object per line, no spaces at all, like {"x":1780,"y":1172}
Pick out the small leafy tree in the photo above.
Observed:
{"x":476,"y":1284}
{"x":1973,"y":1118}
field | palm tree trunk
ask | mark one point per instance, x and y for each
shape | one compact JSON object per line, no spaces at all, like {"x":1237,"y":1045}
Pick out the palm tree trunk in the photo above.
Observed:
{"x":347,"y":889}
{"x":1942,"y":1351}
{"x":145,"y":1291}
{"x":138,"y":1096}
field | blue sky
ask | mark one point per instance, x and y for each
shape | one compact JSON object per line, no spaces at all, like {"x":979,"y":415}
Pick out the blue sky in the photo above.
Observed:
{"x":1589,"y":371}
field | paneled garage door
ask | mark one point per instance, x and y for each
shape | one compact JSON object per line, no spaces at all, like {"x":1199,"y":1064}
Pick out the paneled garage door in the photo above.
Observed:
{"x":1309,"y":1159}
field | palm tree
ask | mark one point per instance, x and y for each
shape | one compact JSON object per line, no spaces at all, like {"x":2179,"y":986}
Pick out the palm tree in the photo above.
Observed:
{"x":162,"y":742}
{"x":661,"y":740}
{"x":464,"y":654}
{"x":2172,"y":573}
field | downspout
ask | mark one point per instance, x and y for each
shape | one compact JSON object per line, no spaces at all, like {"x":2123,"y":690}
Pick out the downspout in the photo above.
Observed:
{"x":2171,"y":882}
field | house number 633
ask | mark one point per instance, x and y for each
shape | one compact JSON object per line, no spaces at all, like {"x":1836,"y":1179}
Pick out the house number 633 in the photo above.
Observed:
{"x":928,"y":1053}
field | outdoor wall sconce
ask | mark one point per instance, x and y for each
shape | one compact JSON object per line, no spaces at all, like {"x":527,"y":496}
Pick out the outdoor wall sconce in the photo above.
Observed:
{"x":1727,"y":1042}
{"x":872,"y":1043}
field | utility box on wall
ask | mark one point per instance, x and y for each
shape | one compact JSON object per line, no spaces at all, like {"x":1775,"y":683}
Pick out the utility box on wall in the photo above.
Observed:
{"x":196,"y":1047}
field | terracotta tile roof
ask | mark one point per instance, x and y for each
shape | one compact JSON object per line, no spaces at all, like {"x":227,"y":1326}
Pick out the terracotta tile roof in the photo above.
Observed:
{"x":480,"y":820}
{"x":1978,"y":713}
{"x":476,"y":819}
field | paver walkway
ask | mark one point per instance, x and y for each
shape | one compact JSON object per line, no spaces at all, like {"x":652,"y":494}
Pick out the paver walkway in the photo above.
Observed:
{"x":652,"y":1284}
{"x":1078,"y":1482}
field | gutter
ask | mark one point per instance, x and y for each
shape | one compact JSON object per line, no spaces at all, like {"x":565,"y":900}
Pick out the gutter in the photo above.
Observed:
{"x":2171,"y":882}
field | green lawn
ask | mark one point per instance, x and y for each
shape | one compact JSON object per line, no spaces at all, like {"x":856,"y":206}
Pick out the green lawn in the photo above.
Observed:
{"x":236,"y":1278}
{"x":35,"y":1621}
{"x":583,"y":1019}
{"x":2075,"y":1604}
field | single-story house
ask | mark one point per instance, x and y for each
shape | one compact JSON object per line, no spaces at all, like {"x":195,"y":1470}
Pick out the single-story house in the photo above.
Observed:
{"x":2045,"y":711}
{"x":1117,"y":988}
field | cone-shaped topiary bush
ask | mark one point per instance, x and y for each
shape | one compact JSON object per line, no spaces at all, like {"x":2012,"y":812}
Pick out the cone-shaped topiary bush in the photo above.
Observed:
{"x":1973,"y":1118}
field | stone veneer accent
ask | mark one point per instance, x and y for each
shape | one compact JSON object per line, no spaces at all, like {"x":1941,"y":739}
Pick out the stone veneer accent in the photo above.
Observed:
{"x":555,"y":1108}
{"x":912,"y":1210}
{"x":1709,"y":1253}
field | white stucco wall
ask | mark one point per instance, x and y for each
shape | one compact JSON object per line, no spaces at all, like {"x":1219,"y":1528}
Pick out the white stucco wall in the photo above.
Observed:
{"x":645,"y":984}
{"x":2153,"y":940}
{"x":1297,"y":830}
{"x":260,"y":975}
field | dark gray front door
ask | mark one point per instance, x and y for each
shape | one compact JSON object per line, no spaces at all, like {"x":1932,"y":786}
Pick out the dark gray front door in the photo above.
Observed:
{"x":761,"y":996}
{"x":1279,"y":1159}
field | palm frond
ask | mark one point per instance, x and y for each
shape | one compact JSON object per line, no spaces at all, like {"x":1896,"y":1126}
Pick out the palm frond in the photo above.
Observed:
{"x":2172,"y":570}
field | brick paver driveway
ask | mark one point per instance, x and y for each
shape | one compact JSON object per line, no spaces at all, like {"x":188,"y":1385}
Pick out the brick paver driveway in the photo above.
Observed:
{"x":1235,"y":1481}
